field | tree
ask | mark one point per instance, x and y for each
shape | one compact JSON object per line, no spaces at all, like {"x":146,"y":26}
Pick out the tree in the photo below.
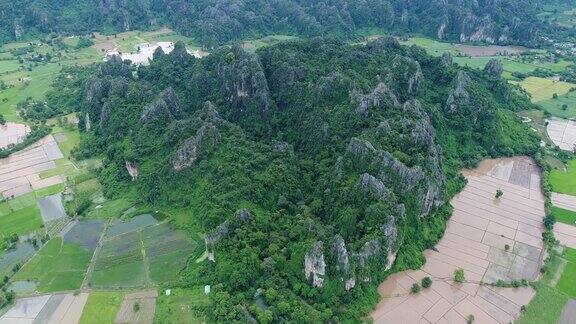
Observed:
{"x":470,"y":319}
{"x":426,"y":282}
{"x":2,"y":120}
{"x":555,"y":95}
{"x":564,"y":107}
{"x":499,"y":193}
{"x":415,"y":288}
{"x":459,"y":275}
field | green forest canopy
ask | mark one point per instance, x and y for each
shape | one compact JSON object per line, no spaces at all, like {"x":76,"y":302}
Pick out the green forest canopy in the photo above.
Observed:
{"x":315,"y":168}
{"x":220,"y":21}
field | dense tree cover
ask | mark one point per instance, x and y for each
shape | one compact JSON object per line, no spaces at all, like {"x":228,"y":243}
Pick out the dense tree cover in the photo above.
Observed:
{"x":315,"y":168}
{"x":219,"y":21}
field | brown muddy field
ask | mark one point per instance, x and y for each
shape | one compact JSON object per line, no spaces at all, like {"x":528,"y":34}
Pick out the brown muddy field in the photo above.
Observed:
{"x":51,"y":309}
{"x":20,"y":172}
{"x":147,"y":306}
{"x":491,"y":239}
{"x":562,"y":132}
{"x":489,"y":50}
{"x":12,"y":133}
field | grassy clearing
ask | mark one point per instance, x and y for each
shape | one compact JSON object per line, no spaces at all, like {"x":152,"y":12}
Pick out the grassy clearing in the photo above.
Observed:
{"x":58,"y":266}
{"x":567,"y":283}
{"x":564,"y":216}
{"x":72,"y":140}
{"x":20,"y":222}
{"x":181,"y":306}
{"x":542,"y":89}
{"x":433,"y":47}
{"x":564,"y":106}
{"x":564,"y":182}
{"x":51,"y":190}
{"x":111,"y":208}
{"x":545,"y":307}
{"x":101,"y":307}
{"x":569,"y":254}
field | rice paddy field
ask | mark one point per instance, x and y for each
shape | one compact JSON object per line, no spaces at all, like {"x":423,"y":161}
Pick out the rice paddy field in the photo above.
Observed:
{"x":62,"y":263}
{"x":56,"y":267}
{"x":101,"y":307}
{"x":139,"y":253}
{"x":564,"y":215}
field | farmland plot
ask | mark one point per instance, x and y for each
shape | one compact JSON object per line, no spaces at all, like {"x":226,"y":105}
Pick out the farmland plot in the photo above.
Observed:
{"x":140,"y":253}
{"x":489,"y":238}
{"x":62,"y":263}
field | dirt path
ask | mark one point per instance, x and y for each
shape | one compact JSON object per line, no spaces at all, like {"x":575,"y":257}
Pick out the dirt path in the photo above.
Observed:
{"x":145,"y":261}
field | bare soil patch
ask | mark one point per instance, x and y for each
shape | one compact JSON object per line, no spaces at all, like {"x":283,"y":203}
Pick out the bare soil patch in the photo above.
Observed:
{"x":143,"y":312}
{"x":491,"y":50}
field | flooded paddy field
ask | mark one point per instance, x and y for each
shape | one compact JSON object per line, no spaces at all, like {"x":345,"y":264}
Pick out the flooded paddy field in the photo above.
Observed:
{"x":12,"y":133}
{"x":563,"y":133}
{"x":489,"y":238}
{"x":140,"y":252}
{"x":60,"y":308}
{"x":20,"y":172}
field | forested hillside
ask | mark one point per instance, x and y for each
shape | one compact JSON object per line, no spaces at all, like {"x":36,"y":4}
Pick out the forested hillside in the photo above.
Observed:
{"x":314,"y":168}
{"x":222,"y":21}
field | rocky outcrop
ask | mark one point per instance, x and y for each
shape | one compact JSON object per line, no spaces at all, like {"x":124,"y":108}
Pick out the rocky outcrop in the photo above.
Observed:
{"x":105,"y":115}
{"x":364,"y":152}
{"x":281,"y":146}
{"x":407,"y":73}
{"x":314,"y":264}
{"x":87,"y":124}
{"x":373,"y":185}
{"x":368,"y":250}
{"x":381,"y":97}
{"x":494,"y":67}
{"x":458,"y":96}
{"x":243,"y":82}
{"x":164,"y":109}
{"x":391,"y":233}
{"x":206,"y":138}
{"x":446,"y":60}
{"x":132,"y":169}
{"x":115,"y":67}
{"x":241,"y":216}
{"x":343,"y":262}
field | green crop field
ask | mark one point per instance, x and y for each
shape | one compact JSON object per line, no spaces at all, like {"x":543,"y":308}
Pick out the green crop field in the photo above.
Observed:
{"x":120,"y":263}
{"x":101,"y":307}
{"x":19,"y":222}
{"x":433,"y":47}
{"x":564,"y":216}
{"x":567,"y":283}
{"x":58,"y":266}
{"x":556,"y":106}
{"x":564,"y":182}
{"x":545,"y":307}
{"x":542,"y":89}
{"x":180,"y":306}
{"x":144,"y":256}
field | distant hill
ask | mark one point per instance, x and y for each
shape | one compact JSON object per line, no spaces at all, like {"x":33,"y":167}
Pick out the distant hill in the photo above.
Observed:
{"x":220,"y":21}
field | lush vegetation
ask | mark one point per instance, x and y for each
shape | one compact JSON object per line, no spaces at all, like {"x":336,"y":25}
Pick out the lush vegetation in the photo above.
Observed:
{"x":564,"y":216}
{"x":216,"y":22}
{"x":564,"y":181}
{"x":101,"y":307}
{"x":58,"y":266}
{"x":310,"y":143}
